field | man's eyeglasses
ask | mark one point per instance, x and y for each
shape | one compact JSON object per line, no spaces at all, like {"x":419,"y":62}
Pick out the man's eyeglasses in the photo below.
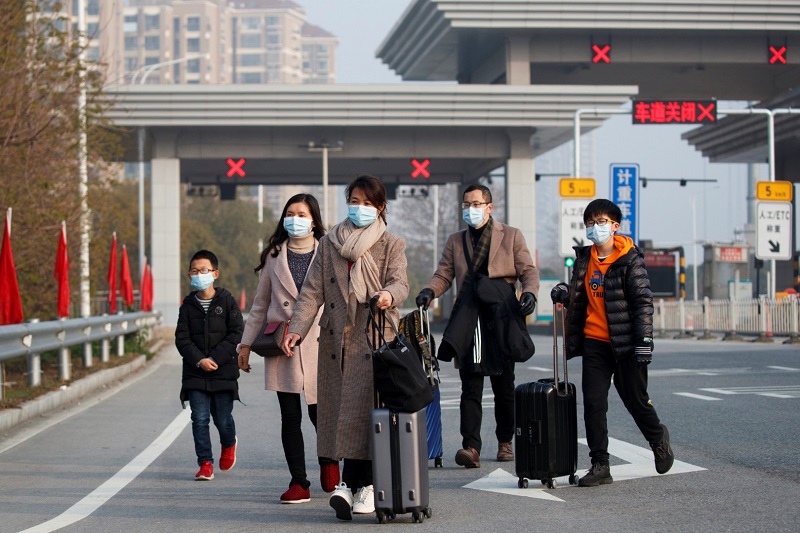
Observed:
{"x":194,"y":271}
{"x":601,"y":221}
{"x":467,"y":205}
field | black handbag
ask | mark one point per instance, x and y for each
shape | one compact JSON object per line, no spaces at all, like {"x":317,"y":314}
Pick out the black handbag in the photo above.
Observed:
{"x":397,"y":369}
{"x":269,"y":341}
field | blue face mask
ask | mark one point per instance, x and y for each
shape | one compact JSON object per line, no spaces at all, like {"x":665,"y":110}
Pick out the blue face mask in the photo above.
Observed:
{"x":599,"y":234}
{"x":361,"y":215}
{"x":297,"y":226}
{"x":473,"y":216}
{"x":201,"y":282}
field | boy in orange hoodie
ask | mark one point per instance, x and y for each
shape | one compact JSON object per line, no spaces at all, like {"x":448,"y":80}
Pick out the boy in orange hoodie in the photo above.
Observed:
{"x":610,"y":323}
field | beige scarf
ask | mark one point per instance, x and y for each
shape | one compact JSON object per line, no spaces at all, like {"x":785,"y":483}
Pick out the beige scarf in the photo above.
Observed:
{"x":353,"y":244}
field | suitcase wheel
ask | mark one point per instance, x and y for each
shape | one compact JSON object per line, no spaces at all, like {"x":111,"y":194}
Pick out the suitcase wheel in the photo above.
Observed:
{"x":417,"y":516}
{"x":428,"y":512}
{"x":383,"y":517}
{"x":437,"y":463}
{"x":522,"y":483}
{"x":551,"y":483}
{"x":573,"y":479}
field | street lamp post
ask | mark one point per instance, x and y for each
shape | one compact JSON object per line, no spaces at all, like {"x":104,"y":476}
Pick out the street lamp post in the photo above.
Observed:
{"x":145,"y":72}
{"x":324,"y":147}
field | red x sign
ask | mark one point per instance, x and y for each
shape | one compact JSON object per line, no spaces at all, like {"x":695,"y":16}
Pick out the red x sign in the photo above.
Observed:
{"x":778,"y":55}
{"x":420,"y":168}
{"x":236,"y":167}
{"x":705,"y":112}
{"x":601,"y":53}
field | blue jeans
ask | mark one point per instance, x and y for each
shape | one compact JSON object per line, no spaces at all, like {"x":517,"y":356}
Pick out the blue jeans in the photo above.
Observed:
{"x":205,"y":406}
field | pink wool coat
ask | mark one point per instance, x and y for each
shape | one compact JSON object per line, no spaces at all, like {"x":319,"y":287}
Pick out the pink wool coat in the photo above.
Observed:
{"x":346,"y":389}
{"x":275,"y":299}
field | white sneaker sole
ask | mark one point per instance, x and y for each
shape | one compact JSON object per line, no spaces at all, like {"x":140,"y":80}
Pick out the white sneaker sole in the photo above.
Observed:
{"x":304,"y":500}
{"x":363,"y":510}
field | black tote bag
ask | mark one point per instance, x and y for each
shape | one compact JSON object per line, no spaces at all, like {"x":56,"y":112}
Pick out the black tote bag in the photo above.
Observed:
{"x":397,"y":369}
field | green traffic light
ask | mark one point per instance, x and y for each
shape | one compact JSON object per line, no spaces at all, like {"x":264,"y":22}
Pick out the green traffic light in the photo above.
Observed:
{"x":569,"y":261}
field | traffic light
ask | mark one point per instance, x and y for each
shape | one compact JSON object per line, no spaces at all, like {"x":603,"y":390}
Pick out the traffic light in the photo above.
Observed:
{"x":569,"y":261}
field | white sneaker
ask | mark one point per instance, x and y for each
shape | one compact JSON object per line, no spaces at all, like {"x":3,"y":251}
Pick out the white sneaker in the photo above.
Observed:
{"x":342,"y":502}
{"x":364,"y":502}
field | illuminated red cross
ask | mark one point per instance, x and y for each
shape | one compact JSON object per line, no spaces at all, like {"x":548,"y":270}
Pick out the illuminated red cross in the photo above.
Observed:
{"x":601,"y":53}
{"x":778,"y":55}
{"x":236,"y":167}
{"x":420,"y":168}
{"x":705,"y":112}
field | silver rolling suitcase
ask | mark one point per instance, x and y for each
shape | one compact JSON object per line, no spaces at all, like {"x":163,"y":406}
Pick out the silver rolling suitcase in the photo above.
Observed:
{"x":400,"y":465}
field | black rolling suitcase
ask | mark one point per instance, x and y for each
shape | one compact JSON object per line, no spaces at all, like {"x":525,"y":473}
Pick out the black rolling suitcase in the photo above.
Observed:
{"x":400,"y":465}
{"x":546,"y":439}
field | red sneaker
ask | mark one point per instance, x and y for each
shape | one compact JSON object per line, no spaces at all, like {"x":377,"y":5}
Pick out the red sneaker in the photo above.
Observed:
{"x":296,"y":494}
{"x":329,"y":476}
{"x":206,"y":471}
{"x":228,"y":457}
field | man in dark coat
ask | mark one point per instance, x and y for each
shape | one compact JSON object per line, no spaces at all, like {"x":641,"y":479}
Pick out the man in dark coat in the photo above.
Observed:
{"x":497,"y":253}
{"x":610,"y":323}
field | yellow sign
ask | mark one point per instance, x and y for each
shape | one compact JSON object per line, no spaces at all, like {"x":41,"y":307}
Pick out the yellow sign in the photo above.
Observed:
{"x":775,"y":191}
{"x":576,"y":187}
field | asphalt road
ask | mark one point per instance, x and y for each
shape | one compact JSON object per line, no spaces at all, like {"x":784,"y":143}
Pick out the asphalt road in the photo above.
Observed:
{"x":124,"y":460}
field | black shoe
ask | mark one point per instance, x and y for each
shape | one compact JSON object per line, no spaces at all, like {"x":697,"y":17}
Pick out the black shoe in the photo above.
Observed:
{"x":663,"y":453}
{"x":597,"y":475}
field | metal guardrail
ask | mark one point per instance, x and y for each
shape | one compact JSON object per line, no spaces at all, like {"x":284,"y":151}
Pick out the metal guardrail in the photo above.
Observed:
{"x":32,"y":338}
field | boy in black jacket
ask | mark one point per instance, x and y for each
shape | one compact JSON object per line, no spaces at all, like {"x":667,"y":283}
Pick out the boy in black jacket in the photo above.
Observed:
{"x":610,"y":323}
{"x":210,"y":326}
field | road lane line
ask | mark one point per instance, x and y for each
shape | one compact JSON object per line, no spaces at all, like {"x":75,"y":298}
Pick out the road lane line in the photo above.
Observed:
{"x":696,"y":396}
{"x":787,"y":368}
{"x":118,"y":481}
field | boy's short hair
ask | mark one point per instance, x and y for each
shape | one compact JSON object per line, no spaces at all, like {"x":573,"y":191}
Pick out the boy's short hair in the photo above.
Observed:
{"x":205,"y":254}
{"x":601,"y":206}
{"x":487,"y":194}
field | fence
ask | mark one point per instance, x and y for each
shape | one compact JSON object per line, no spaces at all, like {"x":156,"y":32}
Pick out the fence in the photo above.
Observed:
{"x":762,"y":317}
{"x":33,"y":338}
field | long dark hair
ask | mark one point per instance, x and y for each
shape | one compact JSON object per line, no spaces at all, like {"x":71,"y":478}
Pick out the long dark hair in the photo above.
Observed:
{"x":280,"y":235}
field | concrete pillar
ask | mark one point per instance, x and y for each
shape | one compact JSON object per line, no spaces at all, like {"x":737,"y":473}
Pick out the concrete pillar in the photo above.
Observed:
{"x":521,"y":189}
{"x":165,"y":237}
{"x":518,"y":61}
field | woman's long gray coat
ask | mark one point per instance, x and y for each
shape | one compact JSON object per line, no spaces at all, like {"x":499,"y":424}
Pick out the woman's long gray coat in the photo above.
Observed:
{"x":344,"y":370}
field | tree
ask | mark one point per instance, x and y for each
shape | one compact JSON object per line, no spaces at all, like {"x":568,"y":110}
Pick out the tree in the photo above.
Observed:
{"x":39,"y":130}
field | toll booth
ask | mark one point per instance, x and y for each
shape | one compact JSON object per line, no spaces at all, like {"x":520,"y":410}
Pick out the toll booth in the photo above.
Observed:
{"x":721,"y":264}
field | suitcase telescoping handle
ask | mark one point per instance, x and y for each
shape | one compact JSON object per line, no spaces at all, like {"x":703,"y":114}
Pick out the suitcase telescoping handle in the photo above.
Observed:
{"x":563,"y":349}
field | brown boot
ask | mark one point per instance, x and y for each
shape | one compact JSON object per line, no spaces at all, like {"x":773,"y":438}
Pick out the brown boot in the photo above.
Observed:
{"x":468,"y":458}
{"x":505,"y":452}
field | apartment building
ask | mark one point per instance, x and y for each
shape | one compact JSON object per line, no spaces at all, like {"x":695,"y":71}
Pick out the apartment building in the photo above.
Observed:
{"x":207,"y":42}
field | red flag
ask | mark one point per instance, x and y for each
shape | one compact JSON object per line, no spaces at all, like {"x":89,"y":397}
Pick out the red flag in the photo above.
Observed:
{"x":112,"y":276}
{"x":10,"y":301}
{"x":146,"y":288}
{"x":243,"y":300}
{"x":61,"y":273}
{"x":125,"y":280}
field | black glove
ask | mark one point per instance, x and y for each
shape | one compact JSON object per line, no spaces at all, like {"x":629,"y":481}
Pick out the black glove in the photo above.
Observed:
{"x":644,"y":352}
{"x":560,"y":294}
{"x":424,"y":298}
{"x":527,"y":303}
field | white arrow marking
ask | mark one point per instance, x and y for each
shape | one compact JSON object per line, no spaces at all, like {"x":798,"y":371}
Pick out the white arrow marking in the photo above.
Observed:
{"x":639,"y":465}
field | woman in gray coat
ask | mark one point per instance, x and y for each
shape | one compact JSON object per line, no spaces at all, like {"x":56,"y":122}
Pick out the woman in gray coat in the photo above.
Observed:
{"x":356,"y":261}
{"x":282,"y":271}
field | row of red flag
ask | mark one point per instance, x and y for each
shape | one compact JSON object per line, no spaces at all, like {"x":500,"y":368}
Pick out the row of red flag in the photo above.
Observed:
{"x":11,"y":302}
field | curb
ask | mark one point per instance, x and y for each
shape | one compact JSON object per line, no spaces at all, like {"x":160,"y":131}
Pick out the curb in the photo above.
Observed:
{"x":74,"y":392}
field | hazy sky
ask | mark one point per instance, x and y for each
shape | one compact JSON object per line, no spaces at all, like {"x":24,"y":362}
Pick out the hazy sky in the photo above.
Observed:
{"x":666,"y":212}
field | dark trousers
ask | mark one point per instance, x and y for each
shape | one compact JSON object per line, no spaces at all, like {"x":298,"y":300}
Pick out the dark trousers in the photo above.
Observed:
{"x":472,"y":411}
{"x":292,"y":435}
{"x":356,"y":473}
{"x":630,"y":380}
{"x":206,"y":406}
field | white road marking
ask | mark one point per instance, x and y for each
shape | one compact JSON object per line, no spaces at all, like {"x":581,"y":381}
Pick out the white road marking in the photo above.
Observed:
{"x":639,"y":465}
{"x":540,"y":369}
{"x":118,"y":481}
{"x":787,"y":368}
{"x":696,"y":396}
{"x":777,"y":391}
{"x":719,"y":391}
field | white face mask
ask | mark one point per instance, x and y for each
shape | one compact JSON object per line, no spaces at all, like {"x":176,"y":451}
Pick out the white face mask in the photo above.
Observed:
{"x":599,"y":234}
{"x":297,"y":226}
{"x":474,"y":216}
